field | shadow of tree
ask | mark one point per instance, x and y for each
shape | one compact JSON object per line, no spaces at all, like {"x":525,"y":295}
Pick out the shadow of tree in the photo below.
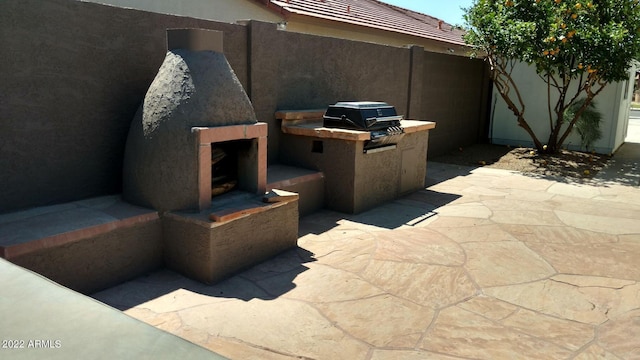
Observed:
{"x":566,"y":166}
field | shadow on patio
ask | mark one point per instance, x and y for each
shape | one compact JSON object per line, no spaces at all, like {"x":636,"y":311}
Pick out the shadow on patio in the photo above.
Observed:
{"x":502,"y":262}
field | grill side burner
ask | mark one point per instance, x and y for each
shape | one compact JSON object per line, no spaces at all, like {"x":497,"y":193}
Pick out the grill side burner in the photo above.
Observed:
{"x":379,"y":118}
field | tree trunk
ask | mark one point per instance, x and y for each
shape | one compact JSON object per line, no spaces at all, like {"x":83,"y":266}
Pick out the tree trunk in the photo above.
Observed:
{"x":523,"y":124}
{"x":552,"y":143}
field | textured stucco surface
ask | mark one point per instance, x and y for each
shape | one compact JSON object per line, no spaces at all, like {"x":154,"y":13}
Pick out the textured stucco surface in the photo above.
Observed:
{"x":456,"y":96}
{"x":192,"y":88}
{"x":101,"y":261}
{"x":69,"y":95}
{"x":299,"y":71}
{"x":72,"y":76}
{"x":355,"y":181}
{"x":209,"y":252}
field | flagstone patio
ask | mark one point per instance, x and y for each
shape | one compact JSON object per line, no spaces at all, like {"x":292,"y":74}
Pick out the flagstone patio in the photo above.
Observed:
{"x":483,"y":264}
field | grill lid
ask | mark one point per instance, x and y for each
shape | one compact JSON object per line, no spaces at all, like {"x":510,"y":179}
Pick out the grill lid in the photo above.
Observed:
{"x":361,"y":115}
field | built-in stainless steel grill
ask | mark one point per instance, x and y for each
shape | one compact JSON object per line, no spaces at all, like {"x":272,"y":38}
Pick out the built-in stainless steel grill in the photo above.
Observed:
{"x":378,"y":118}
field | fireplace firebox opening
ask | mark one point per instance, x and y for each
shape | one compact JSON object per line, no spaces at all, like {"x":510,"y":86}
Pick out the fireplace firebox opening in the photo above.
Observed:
{"x":229,"y":161}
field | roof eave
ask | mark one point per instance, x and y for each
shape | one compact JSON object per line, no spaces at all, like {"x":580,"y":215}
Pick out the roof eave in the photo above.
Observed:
{"x":275,"y":8}
{"x":287,"y":13}
{"x":373,"y":26}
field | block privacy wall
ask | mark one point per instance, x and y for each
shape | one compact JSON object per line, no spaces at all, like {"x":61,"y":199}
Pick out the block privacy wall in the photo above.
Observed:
{"x":68,"y":99}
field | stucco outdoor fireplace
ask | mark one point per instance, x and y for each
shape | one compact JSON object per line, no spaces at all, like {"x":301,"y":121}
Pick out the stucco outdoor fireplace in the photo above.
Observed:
{"x":196,"y":118}
{"x":196,"y":153}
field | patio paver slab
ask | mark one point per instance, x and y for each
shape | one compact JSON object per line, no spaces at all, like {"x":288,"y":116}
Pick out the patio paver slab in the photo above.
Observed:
{"x":483,"y":264}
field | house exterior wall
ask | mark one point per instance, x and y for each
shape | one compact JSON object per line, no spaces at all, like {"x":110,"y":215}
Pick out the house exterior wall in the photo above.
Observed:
{"x":74,"y":73}
{"x":228,"y":11}
{"x":611,"y":103}
{"x":342,"y":30}
{"x":624,"y":107}
{"x":233,"y":10}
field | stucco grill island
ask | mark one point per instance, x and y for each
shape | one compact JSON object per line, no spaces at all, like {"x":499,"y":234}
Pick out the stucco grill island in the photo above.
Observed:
{"x":368,"y":154}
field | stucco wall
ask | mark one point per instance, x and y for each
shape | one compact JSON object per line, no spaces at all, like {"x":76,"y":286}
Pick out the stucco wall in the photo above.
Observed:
{"x":610,"y":102}
{"x":291,"y":71}
{"x":455,"y":95}
{"x":72,"y":77}
{"x":74,"y":73}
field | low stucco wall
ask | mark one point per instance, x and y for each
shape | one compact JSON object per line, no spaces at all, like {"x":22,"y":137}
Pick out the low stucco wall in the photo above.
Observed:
{"x":211,"y":251}
{"x":85,"y":245}
{"x":101,"y":261}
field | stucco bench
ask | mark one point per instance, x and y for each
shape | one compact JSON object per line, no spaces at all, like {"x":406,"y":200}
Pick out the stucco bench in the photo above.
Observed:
{"x":85,"y":245}
{"x":308,"y":184}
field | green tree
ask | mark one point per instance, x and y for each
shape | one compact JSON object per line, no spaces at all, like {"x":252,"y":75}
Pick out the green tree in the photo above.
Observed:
{"x":576,"y":46}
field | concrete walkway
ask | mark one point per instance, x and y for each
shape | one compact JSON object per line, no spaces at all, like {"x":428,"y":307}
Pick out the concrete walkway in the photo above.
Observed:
{"x":483,"y":264}
{"x":624,"y":167}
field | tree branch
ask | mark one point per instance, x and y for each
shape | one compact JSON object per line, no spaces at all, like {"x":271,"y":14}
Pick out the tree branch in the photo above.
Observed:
{"x":504,"y":84}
